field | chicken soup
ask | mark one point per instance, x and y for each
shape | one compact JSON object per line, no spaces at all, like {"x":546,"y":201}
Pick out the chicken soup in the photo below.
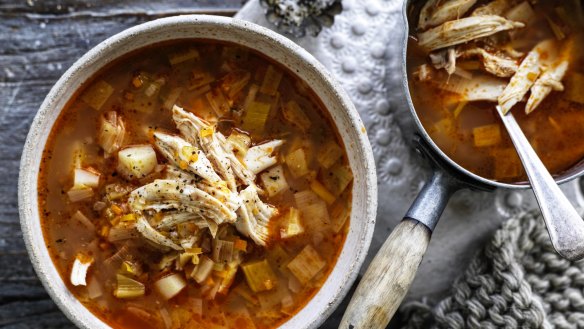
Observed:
{"x":194,"y":184}
{"x":465,"y":57}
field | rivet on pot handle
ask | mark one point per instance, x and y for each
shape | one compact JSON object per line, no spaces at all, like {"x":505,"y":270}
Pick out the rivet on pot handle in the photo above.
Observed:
{"x":390,"y":274}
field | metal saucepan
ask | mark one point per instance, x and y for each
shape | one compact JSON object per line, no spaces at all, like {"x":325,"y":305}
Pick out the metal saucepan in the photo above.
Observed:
{"x":392,"y":271}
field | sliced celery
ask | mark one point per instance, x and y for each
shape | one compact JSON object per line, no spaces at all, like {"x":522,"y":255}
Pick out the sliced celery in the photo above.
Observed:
{"x":291,"y":224}
{"x":337,"y":178}
{"x":255,"y":117}
{"x":487,"y":135}
{"x":202,"y":271}
{"x":259,"y":275}
{"x":128,"y":288}
{"x":218,"y":102}
{"x":97,"y":94}
{"x":297,"y":163}
{"x":271,"y":81}
{"x":306,"y":264}
{"x":294,"y":114}
{"x":170,"y":286}
{"x":329,"y":154}
{"x":178,"y":57}
{"x":322,"y":192}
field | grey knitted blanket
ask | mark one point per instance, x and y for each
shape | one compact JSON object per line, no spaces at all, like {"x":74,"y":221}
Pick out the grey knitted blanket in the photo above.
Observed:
{"x":516,"y":281}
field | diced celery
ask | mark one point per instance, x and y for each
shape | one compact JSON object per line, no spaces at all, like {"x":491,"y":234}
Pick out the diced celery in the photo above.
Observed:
{"x":329,"y":154}
{"x":259,"y":275}
{"x":339,"y":216}
{"x":171,"y":97}
{"x":128,"y":288}
{"x":79,"y":270}
{"x":170,"y":286}
{"x":306,"y":264}
{"x":295,"y":115}
{"x":271,"y":81}
{"x":507,"y":163}
{"x":77,"y":194}
{"x":274,"y":180}
{"x":200,"y":79}
{"x":218,"y":102}
{"x":222,"y":251}
{"x":487,"y":135}
{"x":291,"y":224}
{"x":228,"y":275}
{"x":574,"y":87}
{"x":234,"y":82}
{"x":322,"y":192}
{"x":97,"y":94}
{"x":136,"y":161}
{"x":278,"y":256}
{"x":202,"y":271}
{"x":297,"y":163}
{"x":337,"y":178}
{"x":79,"y":216}
{"x":178,"y":57}
{"x":255,"y":117}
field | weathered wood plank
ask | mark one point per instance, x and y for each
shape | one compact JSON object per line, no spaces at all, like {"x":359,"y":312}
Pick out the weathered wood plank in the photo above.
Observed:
{"x":40,"y":40}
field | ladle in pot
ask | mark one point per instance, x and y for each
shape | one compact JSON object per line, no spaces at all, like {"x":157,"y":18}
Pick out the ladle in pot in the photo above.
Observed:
{"x":392,"y":271}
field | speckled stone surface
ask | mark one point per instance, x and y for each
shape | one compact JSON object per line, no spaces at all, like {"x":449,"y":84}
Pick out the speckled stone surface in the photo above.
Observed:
{"x":363,"y":50}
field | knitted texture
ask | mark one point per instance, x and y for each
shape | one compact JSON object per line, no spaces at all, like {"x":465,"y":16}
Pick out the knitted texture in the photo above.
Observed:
{"x":516,"y":281}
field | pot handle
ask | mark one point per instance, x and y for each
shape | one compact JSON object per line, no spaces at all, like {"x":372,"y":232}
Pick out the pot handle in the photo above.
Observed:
{"x":390,"y":274}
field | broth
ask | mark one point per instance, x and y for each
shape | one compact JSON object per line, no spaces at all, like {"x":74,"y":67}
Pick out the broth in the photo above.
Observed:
{"x":470,"y":132}
{"x":159,"y":254}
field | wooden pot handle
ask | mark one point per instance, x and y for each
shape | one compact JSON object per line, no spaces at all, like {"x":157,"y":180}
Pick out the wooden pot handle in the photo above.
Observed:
{"x":388,"y":277}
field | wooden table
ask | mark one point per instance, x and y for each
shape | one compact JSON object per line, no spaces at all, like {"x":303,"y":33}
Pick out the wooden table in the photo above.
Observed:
{"x":39,"y":40}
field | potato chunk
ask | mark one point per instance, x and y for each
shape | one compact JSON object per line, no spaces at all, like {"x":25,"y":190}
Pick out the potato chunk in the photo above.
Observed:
{"x":136,"y":161}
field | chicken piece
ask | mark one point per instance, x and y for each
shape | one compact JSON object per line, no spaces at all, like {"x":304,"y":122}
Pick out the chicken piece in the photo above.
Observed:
{"x":526,"y":75}
{"x":186,"y":156}
{"x":254,"y":216}
{"x":154,"y":236}
{"x":550,"y":80}
{"x":172,"y":218}
{"x":464,"y":30}
{"x":185,"y":177}
{"x":111,"y":133}
{"x":444,"y":59}
{"x":495,"y":64}
{"x":170,"y":194}
{"x":214,"y":144}
{"x":480,"y":87}
{"x":435,"y":13}
{"x":495,"y":7}
{"x":260,"y":157}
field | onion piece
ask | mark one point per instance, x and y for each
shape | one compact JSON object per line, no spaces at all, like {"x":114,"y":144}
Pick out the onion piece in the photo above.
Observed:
{"x":77,"y":194}
{"x":169,"y":286}
{"x":79,"y":271}
{"x":79,"y":216}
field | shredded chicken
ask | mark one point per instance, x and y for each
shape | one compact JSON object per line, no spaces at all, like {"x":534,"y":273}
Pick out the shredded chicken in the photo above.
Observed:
{"x":214,"y":144}
{"x":464,"y":30}
{"x":495,"y":64}
{"x":170,"y":194}
{"x":154,"y":236}
{"x":254,"y":216}
{"x":444,"y":59}
{"x":437,"y":12}
{"x":260,"y":157}
{"x":550,"y":80}
{"x":495,"y":7}
{"x":111,"y":133}
{"x":186,"y":156}
{"x":526,"y":75}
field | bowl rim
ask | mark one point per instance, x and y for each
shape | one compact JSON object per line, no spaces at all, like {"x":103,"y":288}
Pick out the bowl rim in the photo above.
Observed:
{"x":28,"y":177}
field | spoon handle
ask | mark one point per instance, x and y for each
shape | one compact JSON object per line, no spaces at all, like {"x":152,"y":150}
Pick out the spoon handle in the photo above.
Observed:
{"x":564,"y":224}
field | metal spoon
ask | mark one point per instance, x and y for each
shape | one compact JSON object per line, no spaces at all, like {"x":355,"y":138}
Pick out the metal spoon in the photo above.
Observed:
{"x":564,"y":224}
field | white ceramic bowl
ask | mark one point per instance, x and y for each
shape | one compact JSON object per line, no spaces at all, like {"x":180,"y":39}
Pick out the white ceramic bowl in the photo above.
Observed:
{"x":272,"y":45}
